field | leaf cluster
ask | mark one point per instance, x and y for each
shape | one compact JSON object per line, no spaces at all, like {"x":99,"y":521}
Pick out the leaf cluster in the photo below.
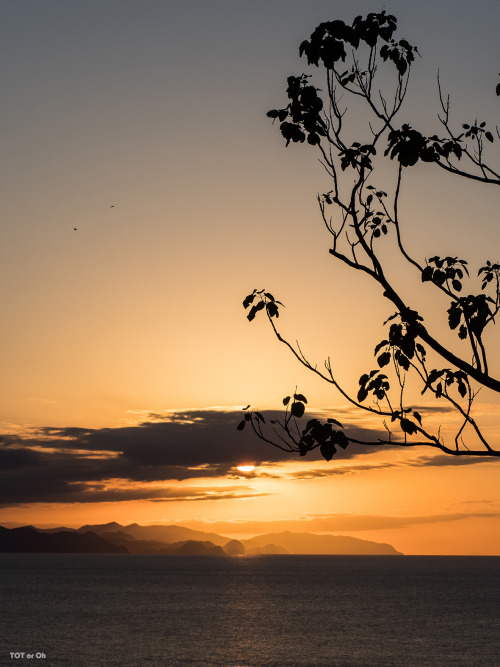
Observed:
{"x":407,"y":426}
{"x":477,"y":130}
{"x":313,"y":435}
{"x":329,"y":40}
{"x":490,"y":271}
{"x":265,"y":300}
{"x":357,"y":156}
{"x":401,"y":54}
{"x":248,"y":416}
{"x":301,"y":118}
{"x":449,"y":270}
{"x":297,"y":408}
{"x":471,"y":312}
{"x":447,"y":378}
{"x":322,"y":435}
{"x":409,"y":146}
{"x":373,"y":382}
{"x":401,"y":345}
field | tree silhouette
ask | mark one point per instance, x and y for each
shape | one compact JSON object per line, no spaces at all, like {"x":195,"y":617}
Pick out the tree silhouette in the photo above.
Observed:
{"x":363,"y":221}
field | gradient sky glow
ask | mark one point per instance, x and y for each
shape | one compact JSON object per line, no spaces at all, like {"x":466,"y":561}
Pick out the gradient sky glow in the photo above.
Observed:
{"x":125,"y":350}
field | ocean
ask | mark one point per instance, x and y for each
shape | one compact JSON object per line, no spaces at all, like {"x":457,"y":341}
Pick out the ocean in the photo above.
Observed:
{"x":257,"y":611}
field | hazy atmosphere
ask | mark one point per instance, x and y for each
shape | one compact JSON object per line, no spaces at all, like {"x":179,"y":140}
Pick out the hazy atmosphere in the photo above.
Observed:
{"x":144,"y":193}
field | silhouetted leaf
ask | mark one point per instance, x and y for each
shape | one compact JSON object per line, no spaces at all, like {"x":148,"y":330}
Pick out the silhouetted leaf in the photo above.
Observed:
{"x":384,"y":359}
{"x":292,"y":132}
{"x":454,"y":315}
{"x":300,"y":397}
{"x":297,"y":409}
{"x":327,"y":450}
{"x":286,"y":400}
{"x":341,"y":439}
{"x":241,"y":425}
{"x":427,"y":274}
{"x":254,"y":310}
{"x":311,"y":424}
{"x":417,"y":417}
{"x":362,"y":394}
{"x":404,"y":362}
{"x":248,"y":300}
{"x":272,"y":309}
{"x":408,"y":426}
{"x":334,"y":421}
{"x":438,"y":277}
{"x":421,"y":349}
{"x":382,"y":344}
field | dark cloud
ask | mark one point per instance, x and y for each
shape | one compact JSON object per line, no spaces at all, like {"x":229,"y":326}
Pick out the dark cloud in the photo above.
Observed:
{"x":441,"y":460}
{"x":57,"y":464}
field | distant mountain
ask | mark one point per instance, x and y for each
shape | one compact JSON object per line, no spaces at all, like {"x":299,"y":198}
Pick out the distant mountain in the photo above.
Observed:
{"x":182,"y":547}
{"x":195,"y":548}
{"x":28,"y":539}
{"x":60,"y":529}
{"x":134,"y":546}
{"x":100,"y":528}
{"x":167,"y":534}
{"x":234,"y":548}
{"x":161,"y":539}
{"x":266,"y":550}
{"x":172,"y":534}
{"x":310,"y":543}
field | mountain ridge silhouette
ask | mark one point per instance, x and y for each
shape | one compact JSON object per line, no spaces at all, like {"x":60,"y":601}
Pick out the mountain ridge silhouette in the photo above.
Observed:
{"x":165,"y":539}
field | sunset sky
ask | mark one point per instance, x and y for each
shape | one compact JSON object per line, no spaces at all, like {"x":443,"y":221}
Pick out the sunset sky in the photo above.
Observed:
{"x":144,"y":194}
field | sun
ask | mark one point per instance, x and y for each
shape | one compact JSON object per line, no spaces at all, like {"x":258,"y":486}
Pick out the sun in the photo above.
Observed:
{"x":247,"y":468}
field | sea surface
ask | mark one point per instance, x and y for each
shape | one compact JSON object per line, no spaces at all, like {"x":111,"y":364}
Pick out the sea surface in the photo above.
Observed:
{"x":268,"y":611}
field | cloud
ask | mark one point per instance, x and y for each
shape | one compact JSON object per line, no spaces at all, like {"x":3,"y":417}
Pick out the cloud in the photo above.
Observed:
{"x":126,"y":490}
{"x":54,"y":464}
{"x":440,"y":460}
{"x":433,"y":460}
{"x":334,"y":523}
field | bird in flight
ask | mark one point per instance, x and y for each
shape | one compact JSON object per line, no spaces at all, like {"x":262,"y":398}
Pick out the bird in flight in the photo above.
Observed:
{"x":75,"y":229}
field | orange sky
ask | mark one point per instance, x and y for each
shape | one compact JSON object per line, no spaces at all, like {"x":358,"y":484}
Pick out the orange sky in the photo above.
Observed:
{"x":126,"y":352}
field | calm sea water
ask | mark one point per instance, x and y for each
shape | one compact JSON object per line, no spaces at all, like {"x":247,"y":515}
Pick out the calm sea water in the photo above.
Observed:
{"x":127,"y":610}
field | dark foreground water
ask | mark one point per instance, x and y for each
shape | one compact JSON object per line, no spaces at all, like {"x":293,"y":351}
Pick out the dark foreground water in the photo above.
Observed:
{"x":128,"y":610}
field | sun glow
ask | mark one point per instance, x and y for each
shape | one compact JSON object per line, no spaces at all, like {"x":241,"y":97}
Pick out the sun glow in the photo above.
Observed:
{"x":247,"y":468}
